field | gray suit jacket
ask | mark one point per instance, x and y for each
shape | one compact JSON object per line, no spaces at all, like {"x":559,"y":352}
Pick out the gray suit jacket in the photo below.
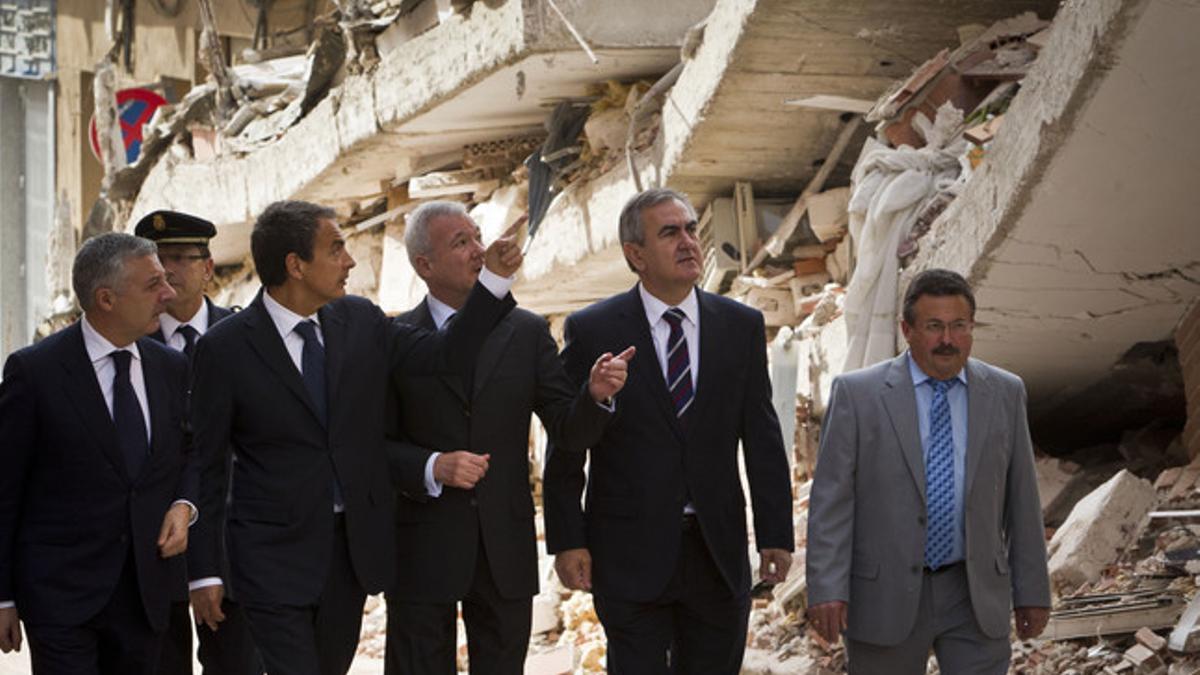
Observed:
{"x":866,"y":526}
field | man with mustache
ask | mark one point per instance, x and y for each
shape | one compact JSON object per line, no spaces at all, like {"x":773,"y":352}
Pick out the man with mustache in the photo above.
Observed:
{"x":183,"y":251}
{"x":99,"y":483}
{"x":294,"y":386}
{"x":662,"y":541}
{"x":924,"y":524}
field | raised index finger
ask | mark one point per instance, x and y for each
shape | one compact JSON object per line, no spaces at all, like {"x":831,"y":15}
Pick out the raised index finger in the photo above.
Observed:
{"x":515,"y":227}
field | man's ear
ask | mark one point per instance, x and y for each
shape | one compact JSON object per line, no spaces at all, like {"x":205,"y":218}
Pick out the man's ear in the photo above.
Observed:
{"x":209,"y":266}
{"x":633,"y":256}
{"x":294,"y":266}
{"x":105,"y":298}
{"x":422,"y":266}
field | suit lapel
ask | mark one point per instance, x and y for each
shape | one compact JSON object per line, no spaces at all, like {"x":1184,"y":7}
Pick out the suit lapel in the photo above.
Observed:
{"x":421,"y":317}
{"x":489,"y":355}
{"x":980,"y":396}
{"x":265,"y":340}
{"x":710,"y":356}
{"x":333,"y":330}
{"x":83,"y":389}
{"x":157,"y":400}
{"x":900,"y":401}
{"x":636,"y":331}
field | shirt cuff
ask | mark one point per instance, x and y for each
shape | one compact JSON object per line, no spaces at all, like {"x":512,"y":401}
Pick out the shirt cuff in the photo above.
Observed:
{"x":204,"y":582}
{"x":432,"y":487}
{"x":7,"y":603}
{"x":609,"y":405}
{"x":195,"y":512}
{"x":498,"y":286}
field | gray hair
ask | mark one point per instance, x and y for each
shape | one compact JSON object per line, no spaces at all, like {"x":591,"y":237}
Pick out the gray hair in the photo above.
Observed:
{"x":101,"y":260}
{"x":416,"y":230}
{"x":631,"y":230}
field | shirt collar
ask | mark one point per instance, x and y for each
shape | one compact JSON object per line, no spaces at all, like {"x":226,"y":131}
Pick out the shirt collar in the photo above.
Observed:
{"x":919,"y":377}
{"x":98,"y":347}
{"x":285,"y":319}
{"x":439,"y":311}
{"x":170,"y":325}
{"x":655,"y":307}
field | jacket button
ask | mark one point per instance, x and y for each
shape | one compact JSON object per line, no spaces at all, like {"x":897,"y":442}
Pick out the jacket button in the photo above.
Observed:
{"x":474,"y":502}
{"x":916,"y":569}
{"x":466,"y":412}
{"x":921,"y":519}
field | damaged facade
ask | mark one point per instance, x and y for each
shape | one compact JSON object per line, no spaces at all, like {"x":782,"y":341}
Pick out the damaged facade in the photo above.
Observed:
{"x":832,"y":153}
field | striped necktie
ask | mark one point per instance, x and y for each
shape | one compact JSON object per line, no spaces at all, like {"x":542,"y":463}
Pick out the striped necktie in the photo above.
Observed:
{"x":679,"y":366}
{"x":939,"y":478}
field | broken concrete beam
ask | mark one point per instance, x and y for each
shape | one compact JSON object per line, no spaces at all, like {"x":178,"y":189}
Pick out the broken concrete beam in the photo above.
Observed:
{"x":1185,"y":637}
{"x":1112,"y":614}
{"x":827,"y":213}
{"x":1100,"y":526}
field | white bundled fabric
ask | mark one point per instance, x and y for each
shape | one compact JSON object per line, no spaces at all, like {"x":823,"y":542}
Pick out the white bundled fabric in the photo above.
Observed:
{"x":890,"y":189}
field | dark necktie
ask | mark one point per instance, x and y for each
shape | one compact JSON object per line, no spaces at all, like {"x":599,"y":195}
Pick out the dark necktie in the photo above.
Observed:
{"x":127,"y":416}
{"x":679,"y":366}
{"x":312,"y":369}
{"x":939,"y":478}
{"x":189,"y":339}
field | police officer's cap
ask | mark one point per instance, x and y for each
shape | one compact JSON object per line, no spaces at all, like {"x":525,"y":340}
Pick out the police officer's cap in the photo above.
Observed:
{"x":173,"y":227}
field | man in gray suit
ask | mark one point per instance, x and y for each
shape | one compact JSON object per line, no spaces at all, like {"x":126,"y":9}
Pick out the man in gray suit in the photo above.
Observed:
{"x":924,"y":521}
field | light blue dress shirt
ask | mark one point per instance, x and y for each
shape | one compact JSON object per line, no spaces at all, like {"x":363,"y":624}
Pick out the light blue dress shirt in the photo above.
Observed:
{"x":957,"y":398}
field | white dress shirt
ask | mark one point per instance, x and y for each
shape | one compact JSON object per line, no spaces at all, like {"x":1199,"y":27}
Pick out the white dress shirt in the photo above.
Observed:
{"x":660,"y":332}
{"x":170,"y":326}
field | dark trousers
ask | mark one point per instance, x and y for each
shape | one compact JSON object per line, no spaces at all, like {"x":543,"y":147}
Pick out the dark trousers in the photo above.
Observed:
{"x":226,"y":651}
{"x":422,"y":637}
{"x":697,"y":626}
{"x":946,"y":624}
{"x":316,"y":639}
{"x":117,"y":641}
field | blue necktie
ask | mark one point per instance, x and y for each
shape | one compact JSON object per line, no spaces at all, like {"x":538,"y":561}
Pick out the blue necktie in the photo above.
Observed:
{"x":679,"y":367}
{"x":312,"y":369}
{"x":127,"y":416}
{"x":939,"y":478}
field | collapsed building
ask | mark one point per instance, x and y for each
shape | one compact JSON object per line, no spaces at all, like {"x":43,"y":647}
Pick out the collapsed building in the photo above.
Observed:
{"x":831,"y":151}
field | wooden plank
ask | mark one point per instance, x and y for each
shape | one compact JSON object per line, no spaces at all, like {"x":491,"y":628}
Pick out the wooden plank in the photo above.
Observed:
{"x":774,"y":245}
{"x":830,"y":102}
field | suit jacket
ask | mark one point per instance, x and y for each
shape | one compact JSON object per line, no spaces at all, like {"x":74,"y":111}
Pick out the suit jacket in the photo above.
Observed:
{"x":180,"y":594}
{"x":866,"y":516}
{"x":518,"y":372}
{"x":69,"y":511}
{"x":647,"y":463}
{"x":249,"y":396}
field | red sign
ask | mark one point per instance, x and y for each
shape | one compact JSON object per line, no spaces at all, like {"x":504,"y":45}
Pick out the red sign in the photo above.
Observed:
{"x":135,"y":107}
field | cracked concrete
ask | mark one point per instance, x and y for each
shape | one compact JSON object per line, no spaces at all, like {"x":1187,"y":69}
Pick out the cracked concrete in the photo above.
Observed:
{"x":1078,"y":228}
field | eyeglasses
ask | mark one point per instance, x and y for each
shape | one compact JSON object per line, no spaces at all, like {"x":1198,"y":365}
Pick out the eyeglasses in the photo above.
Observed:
{"x":179,"y":258}
{"x":957,"y":328}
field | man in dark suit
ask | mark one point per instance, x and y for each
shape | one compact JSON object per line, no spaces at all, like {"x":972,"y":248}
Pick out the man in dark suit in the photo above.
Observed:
{"x":662,"y":542}
{"x":460,"y":458}
{"x":295,"y":386}
{"x":183,"y":251}
{"x":98,"y":486}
